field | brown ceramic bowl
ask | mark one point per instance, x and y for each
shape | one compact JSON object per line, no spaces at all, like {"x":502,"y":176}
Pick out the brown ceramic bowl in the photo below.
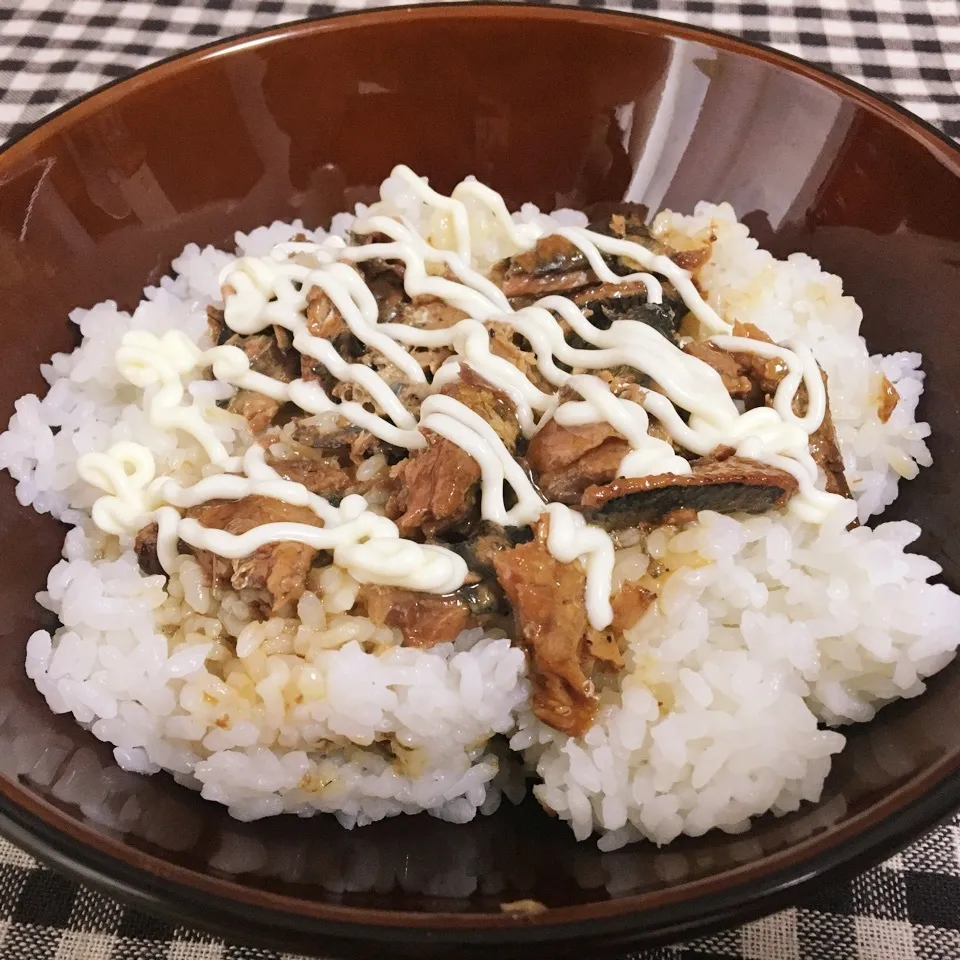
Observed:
{"x":559,"y":106}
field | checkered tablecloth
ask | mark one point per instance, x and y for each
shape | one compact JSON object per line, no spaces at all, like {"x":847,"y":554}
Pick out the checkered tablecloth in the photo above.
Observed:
{"x":54,"y":50}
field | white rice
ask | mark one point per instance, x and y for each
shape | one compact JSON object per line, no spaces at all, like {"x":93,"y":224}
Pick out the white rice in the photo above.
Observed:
{"x":765,"y":627}
{"x":766,"y":630}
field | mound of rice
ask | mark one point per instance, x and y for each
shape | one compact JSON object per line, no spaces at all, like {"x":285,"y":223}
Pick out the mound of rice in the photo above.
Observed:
{"x":766,"y":631}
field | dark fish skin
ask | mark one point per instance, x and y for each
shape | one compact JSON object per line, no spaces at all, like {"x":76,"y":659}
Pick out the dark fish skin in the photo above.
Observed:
{"x":555,"y":265}
{"x":628,"y":222}
{"x":146,"y":550}
{"x":664,"y":317}
{"x":550,"y":254}
{"x":487,"y":540}
{"x":653,"y":506}
{"x":332,"y":440}
{"x":728,"y":485}
{"x":484,"y":599}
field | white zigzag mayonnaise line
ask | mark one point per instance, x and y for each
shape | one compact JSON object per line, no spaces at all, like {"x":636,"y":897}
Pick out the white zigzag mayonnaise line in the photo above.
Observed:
{"x":273,"y":290}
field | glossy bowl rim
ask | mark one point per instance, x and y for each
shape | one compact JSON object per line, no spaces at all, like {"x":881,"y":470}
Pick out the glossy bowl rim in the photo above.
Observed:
{"x":747,"y":891}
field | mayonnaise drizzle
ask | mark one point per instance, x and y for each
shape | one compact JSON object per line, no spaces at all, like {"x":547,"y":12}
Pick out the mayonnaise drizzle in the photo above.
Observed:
{"x":274,"y":289}
{"x":367,"y":545}
{"x":148,"y":361}
{"x":126,"y":473}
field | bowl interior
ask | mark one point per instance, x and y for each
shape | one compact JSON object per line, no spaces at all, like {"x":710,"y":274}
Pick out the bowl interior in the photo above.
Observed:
{"x":563,"y":108}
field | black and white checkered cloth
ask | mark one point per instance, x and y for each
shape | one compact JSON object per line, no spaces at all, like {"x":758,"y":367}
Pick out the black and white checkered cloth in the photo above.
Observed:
{"x":54,"y":50}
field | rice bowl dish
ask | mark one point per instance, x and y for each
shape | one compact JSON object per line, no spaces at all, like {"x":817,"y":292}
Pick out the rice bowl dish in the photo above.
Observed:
{"x":386,"y":650}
